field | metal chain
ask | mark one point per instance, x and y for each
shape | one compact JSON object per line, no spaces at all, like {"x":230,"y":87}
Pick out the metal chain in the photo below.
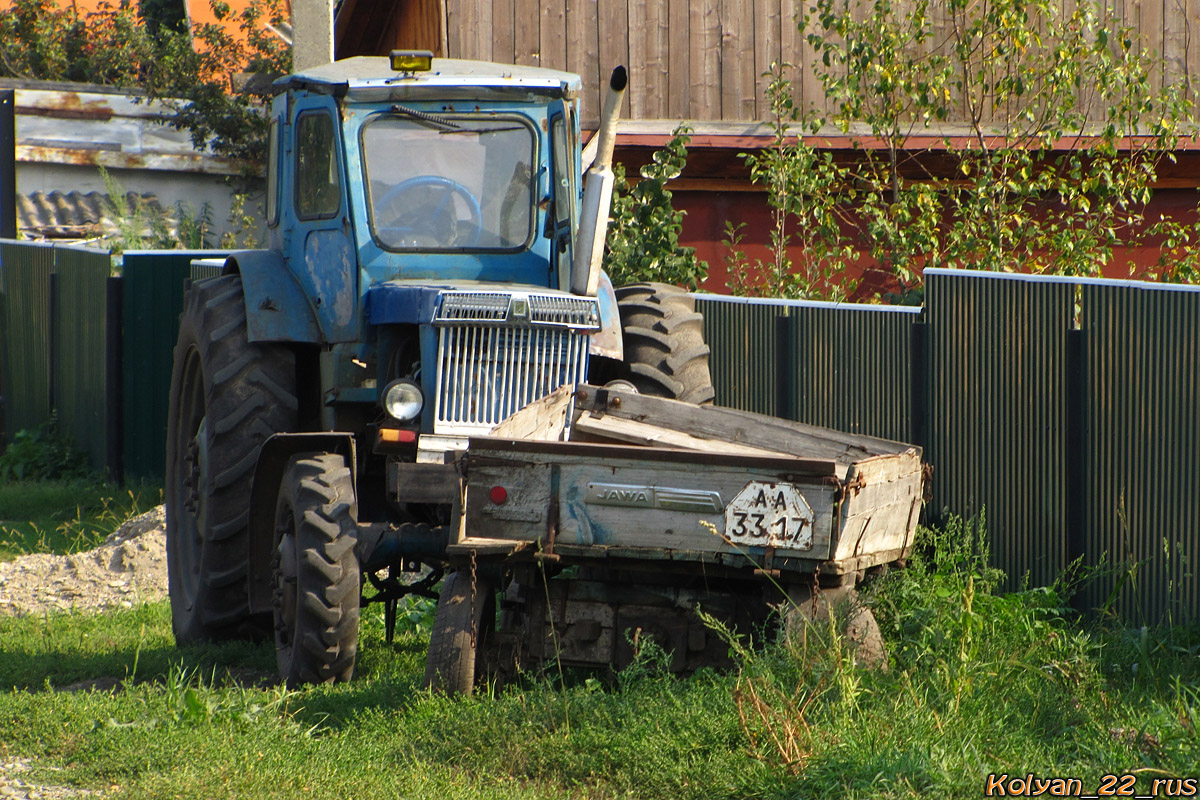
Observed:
{"x":474,"y":627}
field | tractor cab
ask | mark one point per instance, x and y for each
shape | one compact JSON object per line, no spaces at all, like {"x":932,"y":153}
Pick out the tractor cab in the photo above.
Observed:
{"x":421,"y":168}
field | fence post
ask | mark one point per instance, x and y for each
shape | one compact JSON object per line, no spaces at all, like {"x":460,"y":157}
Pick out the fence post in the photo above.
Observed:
{"x":52,"y":341}
{"x":1077,"y":461}
{"x":919,"y":411}
{"x":114,"y":411}
{"x":8,"y":164}
{"x":787,"y":404}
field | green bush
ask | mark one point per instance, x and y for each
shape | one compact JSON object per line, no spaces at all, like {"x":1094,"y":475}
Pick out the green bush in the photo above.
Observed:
{"x":643,"y":230}
{"x":44,"y":453}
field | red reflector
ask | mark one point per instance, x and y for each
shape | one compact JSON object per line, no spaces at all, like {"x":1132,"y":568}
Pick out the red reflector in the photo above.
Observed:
{"x":498,"y":495}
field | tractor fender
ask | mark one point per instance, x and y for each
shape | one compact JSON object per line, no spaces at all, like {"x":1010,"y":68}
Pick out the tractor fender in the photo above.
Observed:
{"x":268,"y":472}
{"x":607,"y":341}
{"x":277,"y":310}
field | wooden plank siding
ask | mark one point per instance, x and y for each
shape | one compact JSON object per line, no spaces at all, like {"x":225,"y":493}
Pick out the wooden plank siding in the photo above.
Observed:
{"x":704,"y":60}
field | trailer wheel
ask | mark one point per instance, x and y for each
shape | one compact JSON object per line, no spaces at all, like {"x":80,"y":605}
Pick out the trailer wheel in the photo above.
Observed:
{"x":853,"y":620}
{"x":227,"y":397}
{"x":665,"y":353}
{"x":317,"y":577}
{"x":462,"y":625}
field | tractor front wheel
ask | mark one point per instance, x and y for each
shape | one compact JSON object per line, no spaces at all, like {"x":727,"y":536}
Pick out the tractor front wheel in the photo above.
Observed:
{"x":317,"y":577}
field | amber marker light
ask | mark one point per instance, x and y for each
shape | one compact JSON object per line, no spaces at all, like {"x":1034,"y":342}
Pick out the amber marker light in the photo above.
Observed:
{"x":411,"y":60}
{"x":394,"y":436}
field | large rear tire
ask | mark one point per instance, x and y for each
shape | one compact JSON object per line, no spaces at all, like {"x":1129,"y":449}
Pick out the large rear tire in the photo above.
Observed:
{"x":462,"y":626}
{"x":227,"y":397}
{"x":317,"y":577}
{"x":665,"y":353}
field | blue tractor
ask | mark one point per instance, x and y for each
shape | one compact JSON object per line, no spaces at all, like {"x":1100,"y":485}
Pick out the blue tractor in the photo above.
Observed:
{"x":432,"y":267}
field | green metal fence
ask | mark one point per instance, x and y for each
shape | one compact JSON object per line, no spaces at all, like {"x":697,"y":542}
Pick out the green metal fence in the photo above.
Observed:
{"x":742,"y":337}
{"x":56,"y":335}
{"x":153,"y":284}
{"x":25,"y":314}
{"x":1064,"y":410}
{"x":840,"y":365}
{"x":997,"y":416}
{"x":82,"y":337}
{"x":1141,"y":446}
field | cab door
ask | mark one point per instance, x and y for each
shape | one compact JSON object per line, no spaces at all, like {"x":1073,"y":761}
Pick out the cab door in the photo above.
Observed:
{"x":564,"y":207}
{"x":319,"y":239}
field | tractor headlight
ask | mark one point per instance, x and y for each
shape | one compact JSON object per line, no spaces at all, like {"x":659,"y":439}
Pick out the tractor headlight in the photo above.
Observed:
{"x":403,"y":400}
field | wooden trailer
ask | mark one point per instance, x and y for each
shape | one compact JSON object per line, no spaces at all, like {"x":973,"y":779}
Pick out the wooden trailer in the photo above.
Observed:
{"x":589,"y":522}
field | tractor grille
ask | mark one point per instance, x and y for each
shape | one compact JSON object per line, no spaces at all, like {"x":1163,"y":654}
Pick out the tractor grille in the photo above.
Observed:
{"x":487,"y":373}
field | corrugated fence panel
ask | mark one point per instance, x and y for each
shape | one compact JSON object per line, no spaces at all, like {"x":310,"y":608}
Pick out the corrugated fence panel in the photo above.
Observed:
{"x":152,"y":300}
{"x":852,"y":367}
{"x":1143,"y":459}
{"x":25,"y":272}
{"x":741,"y":335}
{"x":80,"y":374}
{"x":997,"y":422}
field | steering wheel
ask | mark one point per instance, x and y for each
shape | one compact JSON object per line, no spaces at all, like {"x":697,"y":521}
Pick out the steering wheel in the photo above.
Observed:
{"x":424,"y":222}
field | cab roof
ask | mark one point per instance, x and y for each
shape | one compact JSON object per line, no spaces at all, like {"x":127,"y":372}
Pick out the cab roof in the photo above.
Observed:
{"x":371,"y":76}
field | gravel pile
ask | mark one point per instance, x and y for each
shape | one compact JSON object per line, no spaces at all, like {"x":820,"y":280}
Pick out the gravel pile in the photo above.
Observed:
{"x":14,"y":786}
{"x":129,"y":568}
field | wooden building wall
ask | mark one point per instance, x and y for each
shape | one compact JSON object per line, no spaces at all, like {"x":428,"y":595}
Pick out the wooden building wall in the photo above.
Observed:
{"x":688,"y":59}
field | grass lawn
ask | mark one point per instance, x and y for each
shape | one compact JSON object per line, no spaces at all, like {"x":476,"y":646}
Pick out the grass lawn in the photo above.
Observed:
{"x":65,"y":516}
{"x":978,"y":683}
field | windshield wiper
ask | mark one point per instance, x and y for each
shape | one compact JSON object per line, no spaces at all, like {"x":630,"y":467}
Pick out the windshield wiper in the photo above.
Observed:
{"x":425,"y":116}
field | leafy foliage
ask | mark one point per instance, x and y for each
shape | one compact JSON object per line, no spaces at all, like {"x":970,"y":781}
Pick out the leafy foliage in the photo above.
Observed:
{"x":190,"y":71}
{"x":643,"y":232}
{"x":142,"y":226}
{"x":1063,"y":132}
{"x":801,"y":185}
{"x":44,"y":453}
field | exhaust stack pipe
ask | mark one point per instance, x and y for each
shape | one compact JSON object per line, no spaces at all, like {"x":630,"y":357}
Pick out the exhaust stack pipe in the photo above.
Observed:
{"x":597,"y":194}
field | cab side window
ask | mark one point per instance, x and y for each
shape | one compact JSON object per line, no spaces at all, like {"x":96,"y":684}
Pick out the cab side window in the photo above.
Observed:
{"x":273,"y":175}
{"x":318,"y":182}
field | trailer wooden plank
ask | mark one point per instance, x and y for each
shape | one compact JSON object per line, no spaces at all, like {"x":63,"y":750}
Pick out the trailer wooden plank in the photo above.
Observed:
{"x":743,"y":427}
{"x":634,"y":432}
{"x":634,"y":502}
{"x":542,"y":420}
{"x":484,"y":450}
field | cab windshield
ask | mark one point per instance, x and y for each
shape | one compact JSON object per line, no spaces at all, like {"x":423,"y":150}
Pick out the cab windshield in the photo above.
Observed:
{"x":449,"y":182}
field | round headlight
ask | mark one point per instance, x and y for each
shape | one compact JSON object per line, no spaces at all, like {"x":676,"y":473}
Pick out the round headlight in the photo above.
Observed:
{"x":403,"y":401}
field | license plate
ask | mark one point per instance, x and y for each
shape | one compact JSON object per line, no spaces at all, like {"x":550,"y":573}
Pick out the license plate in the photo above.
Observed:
{"x":770,"y":515}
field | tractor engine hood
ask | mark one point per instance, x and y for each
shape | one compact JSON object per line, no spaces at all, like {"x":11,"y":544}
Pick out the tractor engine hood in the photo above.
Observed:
{"x":464,"y":302}
{"x":471,"y":302}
